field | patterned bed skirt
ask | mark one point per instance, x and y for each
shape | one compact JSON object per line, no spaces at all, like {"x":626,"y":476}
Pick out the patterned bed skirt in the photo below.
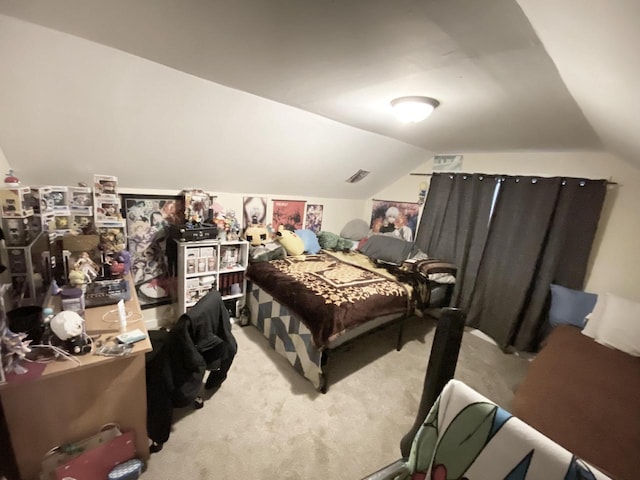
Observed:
{"x":287,"y":335}
{"x":293,"y":340}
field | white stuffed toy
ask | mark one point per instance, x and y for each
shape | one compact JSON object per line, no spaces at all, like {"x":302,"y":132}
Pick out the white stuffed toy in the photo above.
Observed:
{"x":67,"y":324}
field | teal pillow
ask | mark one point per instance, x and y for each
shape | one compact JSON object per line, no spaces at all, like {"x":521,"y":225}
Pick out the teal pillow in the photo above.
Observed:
{"x":570,"y":306}
{"x":310,"y":240}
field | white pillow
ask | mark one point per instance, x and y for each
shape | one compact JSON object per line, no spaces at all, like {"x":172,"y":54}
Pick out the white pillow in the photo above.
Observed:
{"x":619,"y":325}
{"x":594,"y":318}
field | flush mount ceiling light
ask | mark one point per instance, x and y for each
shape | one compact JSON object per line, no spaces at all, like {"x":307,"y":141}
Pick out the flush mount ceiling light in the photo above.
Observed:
{"x":413,"y":109}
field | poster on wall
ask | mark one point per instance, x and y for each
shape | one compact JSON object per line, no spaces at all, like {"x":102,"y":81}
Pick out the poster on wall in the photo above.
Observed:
{"x":289,"y":213}
{"x":398,"y":219}
{"x":147,"y":220}
{"x":313,"y":219}
{"x":254,"y":211}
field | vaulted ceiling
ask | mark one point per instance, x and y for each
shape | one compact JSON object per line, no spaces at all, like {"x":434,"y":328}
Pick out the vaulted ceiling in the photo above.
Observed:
{"x":293,"y":96}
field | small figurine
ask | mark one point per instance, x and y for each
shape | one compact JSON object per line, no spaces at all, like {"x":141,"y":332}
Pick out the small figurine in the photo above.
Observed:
{"x":124,"y":258}
{"x":87,"y":266}
{"x":77,"y":278}
{"x":119,"y":261}
{"x":55,"y":289}
{"x":13,"y":346}
{"x":10,"y":180}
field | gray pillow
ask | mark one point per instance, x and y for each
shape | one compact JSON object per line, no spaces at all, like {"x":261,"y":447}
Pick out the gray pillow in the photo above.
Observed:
{"x":388,"y":249}
{"x":355,"y":229}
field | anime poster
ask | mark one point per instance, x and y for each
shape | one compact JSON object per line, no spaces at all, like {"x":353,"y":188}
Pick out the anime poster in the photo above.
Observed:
{"x":313,"y":220}
{"x":148,"y":218}
{"x":289,"y":213}
{"x":254,"y":211}
{"x":399,"y":219}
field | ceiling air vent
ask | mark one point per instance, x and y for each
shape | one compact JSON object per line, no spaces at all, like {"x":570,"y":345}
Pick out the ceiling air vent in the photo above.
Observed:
{"x":356,"y":177}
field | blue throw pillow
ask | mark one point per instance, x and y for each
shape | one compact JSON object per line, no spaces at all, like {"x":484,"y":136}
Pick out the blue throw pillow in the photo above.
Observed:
{"x":310,"y":240}
{"x":570,"y":306}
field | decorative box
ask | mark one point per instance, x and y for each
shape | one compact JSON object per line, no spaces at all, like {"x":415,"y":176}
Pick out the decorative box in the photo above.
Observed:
{"x":63,"y":223}
{"x":60,"y":197}
{"x":81,"y":200}
{"x":41,"y":200}
{"x":43,"y":223}
{"x":18,"y":231}
{"x":105,"y":185}
{"x":108,"y":210}
{"x":16,"y":202}
{"x":81,"y":223}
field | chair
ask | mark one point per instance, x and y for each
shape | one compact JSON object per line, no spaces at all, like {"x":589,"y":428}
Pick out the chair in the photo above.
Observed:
{"x":200,"y":341}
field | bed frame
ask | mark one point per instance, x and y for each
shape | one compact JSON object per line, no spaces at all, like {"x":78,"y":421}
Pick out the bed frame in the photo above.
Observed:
{"x":289,"y":336}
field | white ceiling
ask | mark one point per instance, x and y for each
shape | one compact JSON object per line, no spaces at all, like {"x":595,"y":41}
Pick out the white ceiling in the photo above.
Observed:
{"x":535,"y":75}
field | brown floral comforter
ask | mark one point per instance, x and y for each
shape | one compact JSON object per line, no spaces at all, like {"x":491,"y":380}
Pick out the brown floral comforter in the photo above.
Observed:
{"x":331,"y":295}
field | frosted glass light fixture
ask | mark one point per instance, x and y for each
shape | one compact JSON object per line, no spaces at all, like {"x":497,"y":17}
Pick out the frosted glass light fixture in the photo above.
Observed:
{"x":413,"y":109}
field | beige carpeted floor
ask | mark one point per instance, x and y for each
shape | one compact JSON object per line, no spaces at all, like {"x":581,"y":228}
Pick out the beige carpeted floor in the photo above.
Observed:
{"x":267,"y":422}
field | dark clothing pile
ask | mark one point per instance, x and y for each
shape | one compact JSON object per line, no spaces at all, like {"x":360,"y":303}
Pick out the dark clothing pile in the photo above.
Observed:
{"x":200,"y":341}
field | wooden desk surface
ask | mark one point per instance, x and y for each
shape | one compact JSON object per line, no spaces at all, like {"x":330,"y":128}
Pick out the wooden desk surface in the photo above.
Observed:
{"x":101,"y":321}
{"x":70,"y":401}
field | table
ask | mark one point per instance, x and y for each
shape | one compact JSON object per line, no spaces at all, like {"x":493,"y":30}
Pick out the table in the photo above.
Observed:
{"x":69,"y":402}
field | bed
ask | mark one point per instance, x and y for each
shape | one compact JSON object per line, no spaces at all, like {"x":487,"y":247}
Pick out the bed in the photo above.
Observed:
{"x":586,"y":397}
{"x":308,"y":306}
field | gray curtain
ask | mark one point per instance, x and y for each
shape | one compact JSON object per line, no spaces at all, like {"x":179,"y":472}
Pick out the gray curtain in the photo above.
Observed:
{"x":540,"y":232}
{"x":455,"y":223}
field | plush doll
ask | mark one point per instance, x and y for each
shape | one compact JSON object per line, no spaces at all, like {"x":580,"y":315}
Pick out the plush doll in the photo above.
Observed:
{"x":331,"y":241}
{"x":262,"y":248}
{"x":310,"y":241}
{"x":257,"y":234}
{"x":291,"y":242}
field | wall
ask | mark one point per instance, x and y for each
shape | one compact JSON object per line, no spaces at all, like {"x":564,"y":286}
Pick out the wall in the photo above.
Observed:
{"x":336,"y":213}
{"x":614,"y":265}
{"x":4,"y":164}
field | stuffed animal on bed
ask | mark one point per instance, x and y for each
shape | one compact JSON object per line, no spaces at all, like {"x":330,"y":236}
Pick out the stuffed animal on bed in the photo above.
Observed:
{"x":292,"y":243}
{"x":257,"y":234}
{"x":262,"y":248}
{"x":310,"y":240}
{"x":331,"y":241}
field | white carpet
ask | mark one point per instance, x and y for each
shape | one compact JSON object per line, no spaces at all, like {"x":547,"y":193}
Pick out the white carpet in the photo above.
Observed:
{"x":268,"y":422}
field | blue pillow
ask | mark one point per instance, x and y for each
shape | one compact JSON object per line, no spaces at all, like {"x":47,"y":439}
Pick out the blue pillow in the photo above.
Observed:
{"x":570,"y":306}
{"x":310,"y":240}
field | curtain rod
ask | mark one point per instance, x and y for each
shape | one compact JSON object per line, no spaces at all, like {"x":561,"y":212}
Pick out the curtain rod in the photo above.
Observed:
{"x":609,"y":182}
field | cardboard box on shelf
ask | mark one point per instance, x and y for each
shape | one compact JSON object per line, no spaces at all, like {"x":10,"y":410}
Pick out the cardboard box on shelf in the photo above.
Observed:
{"x":41,"y":200}
{"x":16,"y":202}
{"x":60,"y":197}
{"x":18,"y":231}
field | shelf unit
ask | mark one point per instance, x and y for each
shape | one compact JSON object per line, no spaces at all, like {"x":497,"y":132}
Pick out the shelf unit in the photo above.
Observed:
{"x":207,"y":264}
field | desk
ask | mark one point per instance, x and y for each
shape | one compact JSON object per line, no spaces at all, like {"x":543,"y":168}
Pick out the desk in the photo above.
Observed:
{"x":69,"y":402}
